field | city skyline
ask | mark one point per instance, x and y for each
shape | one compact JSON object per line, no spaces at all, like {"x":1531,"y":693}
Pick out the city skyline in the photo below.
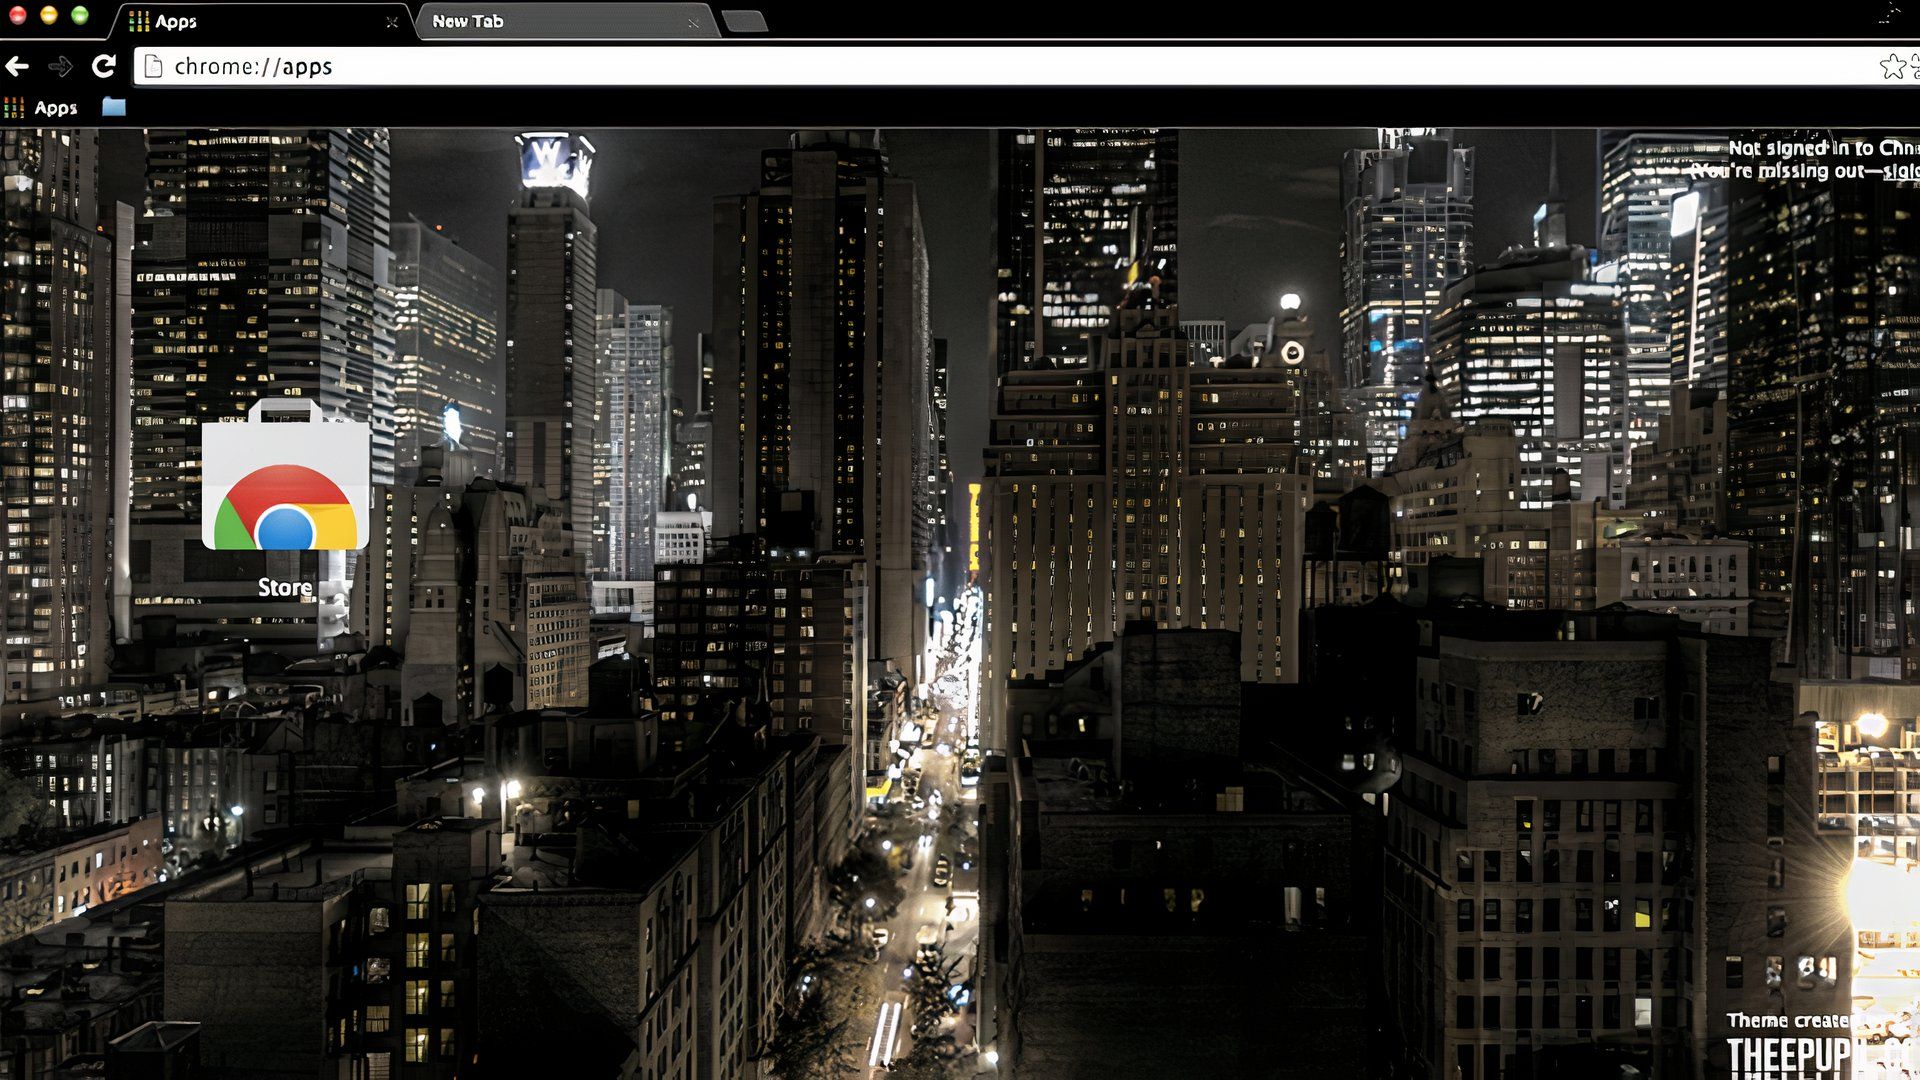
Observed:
{"x":1265,"y":199}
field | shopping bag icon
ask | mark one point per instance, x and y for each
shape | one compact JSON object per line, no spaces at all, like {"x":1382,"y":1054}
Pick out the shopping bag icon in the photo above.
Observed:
{"x":285,"y":486}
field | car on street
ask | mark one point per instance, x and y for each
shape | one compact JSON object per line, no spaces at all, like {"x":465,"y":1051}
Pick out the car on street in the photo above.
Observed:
{"x":881,"y":935}
{"x":942,"y":871}
{"x":970,"y":776}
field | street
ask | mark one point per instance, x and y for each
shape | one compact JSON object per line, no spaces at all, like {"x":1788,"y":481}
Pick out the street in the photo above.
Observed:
{"x":915,"y":841}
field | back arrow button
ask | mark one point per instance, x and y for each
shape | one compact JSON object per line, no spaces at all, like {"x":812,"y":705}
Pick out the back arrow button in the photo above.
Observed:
{"x":15,"y":66}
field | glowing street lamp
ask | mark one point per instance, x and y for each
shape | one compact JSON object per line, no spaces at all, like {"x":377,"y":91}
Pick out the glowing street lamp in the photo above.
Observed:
{"x":1871,"y":724}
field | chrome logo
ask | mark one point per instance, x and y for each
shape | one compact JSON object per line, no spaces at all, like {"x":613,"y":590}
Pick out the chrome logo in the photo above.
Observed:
{"x":285,"y":508}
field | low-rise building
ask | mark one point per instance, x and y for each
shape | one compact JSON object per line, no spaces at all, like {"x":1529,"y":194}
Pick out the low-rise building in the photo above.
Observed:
{"x":601,"y":975}
{"x":1587,"y":557}
{"x":64,"y":874}
{"x":1702,"y":580}
{"x":66,"y":996}
{"x":1210,"y":905}
{"x":353,"y":957}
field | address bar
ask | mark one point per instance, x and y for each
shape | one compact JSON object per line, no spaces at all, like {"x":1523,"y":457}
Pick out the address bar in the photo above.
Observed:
{"x":1121,"y":66}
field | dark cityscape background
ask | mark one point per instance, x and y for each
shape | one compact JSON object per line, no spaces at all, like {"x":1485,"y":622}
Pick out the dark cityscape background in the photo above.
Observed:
{"x":1402,"y":603}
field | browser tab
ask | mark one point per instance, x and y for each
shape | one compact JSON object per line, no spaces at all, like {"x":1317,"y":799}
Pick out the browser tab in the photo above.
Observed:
{"x":566,"y":22}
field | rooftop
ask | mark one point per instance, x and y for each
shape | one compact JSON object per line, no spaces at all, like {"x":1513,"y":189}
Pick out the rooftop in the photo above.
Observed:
{"x":1087,"y":786}
{"x":316,"y":874}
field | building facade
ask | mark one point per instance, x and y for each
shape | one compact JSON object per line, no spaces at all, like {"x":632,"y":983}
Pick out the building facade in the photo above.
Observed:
{"x":1408,"y":215}
{"x":231,"y":306}
{"x":1552,"y":900}
{"x":57,"y":438}
{"x":1641,"y":174}
{"x":635,"y":343}
{"x":1697,"y":287}
{"x":552,"y":386}
{"x":498,"y":605}
{"x":1823,"y":378}
{"x":1142,"y":489}
{"x":1085,"y":219}
{"x":1532,"y":341}
{"x":823,"y":417}
{"x":1679,"y":480}
{"x":447,"y":343}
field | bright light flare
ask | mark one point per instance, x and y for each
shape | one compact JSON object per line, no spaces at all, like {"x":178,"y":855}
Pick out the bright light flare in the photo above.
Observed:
{"x":1883,"y":896}
{"x":1871,"y":724}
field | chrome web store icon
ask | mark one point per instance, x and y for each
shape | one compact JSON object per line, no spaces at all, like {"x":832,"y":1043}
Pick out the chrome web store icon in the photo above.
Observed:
{"x":284,"y":486}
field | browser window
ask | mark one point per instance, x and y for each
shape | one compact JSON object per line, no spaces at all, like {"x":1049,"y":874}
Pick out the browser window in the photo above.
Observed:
{"x":656,"y":540}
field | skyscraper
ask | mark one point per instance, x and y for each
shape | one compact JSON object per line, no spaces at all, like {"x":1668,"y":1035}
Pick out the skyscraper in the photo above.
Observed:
{"x":1409,"y":231}
{"x":1823,"y":382}
{"x":261,"y":271}
{"x":552,"y":284}
{"x":1530,"y":340}
{"x":447,"y":343}
{"x":1086,"y":219}
{"x":1147,"y":488}
{"x":55,"y":431}
{"x":635,"y":343}
{"x":822,"y":392}
{"x":1641,"y":174}
{"x":1697,"y":287}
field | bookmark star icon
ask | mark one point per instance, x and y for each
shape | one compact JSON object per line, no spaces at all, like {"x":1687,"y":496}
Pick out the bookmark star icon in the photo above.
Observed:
{"x":1893,"y":67}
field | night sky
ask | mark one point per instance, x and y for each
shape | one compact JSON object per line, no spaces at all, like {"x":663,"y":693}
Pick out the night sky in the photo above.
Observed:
{"x":1259,"y":214}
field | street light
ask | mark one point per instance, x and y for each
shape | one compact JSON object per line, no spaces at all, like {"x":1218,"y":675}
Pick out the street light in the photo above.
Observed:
{"x":513,"y":789}
{"x":479,"y":796}
{"x":1871,"y":724}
